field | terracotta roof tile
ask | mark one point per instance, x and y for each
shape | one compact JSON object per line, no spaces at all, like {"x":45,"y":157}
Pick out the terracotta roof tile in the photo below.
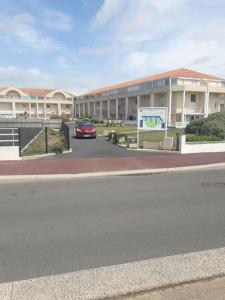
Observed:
{"x":36,"y":91}
{"x":174,"y":73}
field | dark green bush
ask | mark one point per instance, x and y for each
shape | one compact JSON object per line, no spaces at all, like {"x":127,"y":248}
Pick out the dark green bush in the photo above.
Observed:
{"x":217,"y":116}
{"x":57,"y":148}
{"x":110,"y":135}
{"x":95,"y":121}
{"x":116,"y":136}
{"x":195,"y":126}
{"x":214,"y":125}
{"x":55,"y":117}
{"x":216,"y":128}
{"x":65,"y":118}
{"x":202,"y":138}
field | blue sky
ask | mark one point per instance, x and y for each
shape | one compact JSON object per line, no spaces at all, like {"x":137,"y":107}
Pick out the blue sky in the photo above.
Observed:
{"x":79,"y":45}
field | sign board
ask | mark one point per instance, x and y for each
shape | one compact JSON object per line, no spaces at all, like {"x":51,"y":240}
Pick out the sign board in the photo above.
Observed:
{"x":152,"y":118}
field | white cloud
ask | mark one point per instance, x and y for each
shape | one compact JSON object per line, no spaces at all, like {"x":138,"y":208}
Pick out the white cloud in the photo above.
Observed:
{"x":140,"y":20}
{"x":32,"y":77}
{"x":57,"y":20}
{"x":107,"y":12}
{"x":21,"y":27}
{"x":151,"y":35}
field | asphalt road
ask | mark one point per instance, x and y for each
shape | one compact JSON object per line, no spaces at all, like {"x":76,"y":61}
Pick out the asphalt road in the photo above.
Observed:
{"x":51,"y":227}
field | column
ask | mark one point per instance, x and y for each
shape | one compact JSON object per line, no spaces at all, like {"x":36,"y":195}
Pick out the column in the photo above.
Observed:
{"x":89,"y":109}
{"x":37,"y":111}
{"x":94,"y":109}
{"x":59,"y":109}
{"x":108,"y":109}
{"x":45,"y":110}
{"x":100,"y":110}
{"x":126,"y":107}
{"x":138,"y":101}
{"x":206,"y":104}
{"x":83,"y":109}
{"x":152,"y":100}
{"x":29,"y":105}
{"x":183,"y":107}
{"x":78,"y":105}
{"x":169,"y":104}
{"x":14,"y":109}
{"x":117,"y":109}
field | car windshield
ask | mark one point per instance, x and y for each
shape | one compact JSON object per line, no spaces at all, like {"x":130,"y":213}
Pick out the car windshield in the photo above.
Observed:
{"x":85,"y":124}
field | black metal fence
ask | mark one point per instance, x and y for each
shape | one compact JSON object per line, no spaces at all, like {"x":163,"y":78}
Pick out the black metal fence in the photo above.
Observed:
{"x":33,"y":139}
{"x":66,"y":132}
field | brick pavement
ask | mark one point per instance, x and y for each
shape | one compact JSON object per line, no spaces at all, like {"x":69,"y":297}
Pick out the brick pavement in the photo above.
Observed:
{"x":76,"y":166}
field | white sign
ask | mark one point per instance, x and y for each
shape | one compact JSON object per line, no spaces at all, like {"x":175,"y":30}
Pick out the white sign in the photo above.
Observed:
{"x":152,"y":118}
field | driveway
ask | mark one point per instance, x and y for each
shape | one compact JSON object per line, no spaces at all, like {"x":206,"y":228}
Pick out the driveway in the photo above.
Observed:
{"x":91,"y":148}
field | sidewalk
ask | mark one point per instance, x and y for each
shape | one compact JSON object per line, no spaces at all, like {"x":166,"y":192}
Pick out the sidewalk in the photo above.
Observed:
{"x":199,"y":290}
{"x":92,"y":165}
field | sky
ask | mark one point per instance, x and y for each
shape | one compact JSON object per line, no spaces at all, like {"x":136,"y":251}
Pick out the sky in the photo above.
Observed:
{"x":80,"y":45}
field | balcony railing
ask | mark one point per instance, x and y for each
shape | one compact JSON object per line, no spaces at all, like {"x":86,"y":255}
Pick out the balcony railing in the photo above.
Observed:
{"x":32,"y":98}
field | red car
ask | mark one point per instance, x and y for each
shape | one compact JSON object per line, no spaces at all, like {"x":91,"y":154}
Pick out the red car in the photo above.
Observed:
{"x":85,"y":130}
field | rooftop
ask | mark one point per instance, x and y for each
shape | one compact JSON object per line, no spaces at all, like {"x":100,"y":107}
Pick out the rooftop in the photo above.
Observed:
{"x":35,"y":91}
{"x":185,"y":73}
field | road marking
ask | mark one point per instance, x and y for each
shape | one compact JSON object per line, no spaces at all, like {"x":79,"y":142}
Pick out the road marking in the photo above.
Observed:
{"x":117,"y":280}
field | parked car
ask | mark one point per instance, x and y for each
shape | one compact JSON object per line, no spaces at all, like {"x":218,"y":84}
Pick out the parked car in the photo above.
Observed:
{"x":85,"y":129}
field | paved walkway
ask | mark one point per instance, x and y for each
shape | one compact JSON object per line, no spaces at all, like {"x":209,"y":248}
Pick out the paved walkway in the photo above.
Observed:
{"x":201,"y":290}
{"x":77,"y":166}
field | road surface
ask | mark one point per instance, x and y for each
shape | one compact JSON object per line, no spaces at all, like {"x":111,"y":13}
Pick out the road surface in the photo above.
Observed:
{"x":48,"y":228}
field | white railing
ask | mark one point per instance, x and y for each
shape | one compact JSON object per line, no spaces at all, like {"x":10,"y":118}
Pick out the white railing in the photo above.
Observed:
{"x":9,"y":136}
{"x":33,"y":98}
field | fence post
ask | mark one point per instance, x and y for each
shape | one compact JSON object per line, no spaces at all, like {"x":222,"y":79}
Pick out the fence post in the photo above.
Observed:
{"x":19,"y":138}
{"x":46,"y":139}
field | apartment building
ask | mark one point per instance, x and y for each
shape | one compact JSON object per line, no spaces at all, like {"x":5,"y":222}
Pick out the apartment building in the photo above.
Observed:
{"x":35,"y":103}
{"x":187,"y":94}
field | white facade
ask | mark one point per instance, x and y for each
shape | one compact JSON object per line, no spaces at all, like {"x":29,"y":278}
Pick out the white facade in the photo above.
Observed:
{"x":35,"y":104}
{"x":185,"y":97}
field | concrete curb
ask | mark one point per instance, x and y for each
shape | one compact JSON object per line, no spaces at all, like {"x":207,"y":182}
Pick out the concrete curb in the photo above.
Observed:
{"x":118,"y":280}
{"x":22,"y":178}
{"x":37,"y":156}
{"x":32,"y":157}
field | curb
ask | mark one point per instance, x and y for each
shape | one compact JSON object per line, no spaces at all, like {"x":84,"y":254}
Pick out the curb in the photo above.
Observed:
{"x":120,"y":280}
{"x":22,"y":178}
{"x":33,"y":157}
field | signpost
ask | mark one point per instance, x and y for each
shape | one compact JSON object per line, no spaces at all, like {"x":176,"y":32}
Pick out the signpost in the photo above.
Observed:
{"x":152,"y":118}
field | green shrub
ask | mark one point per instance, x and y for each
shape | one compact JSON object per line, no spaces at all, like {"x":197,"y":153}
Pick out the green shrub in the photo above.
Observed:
{"x":195,"y":126}
{"x":57,"y":148}
{"x":65,"y":118}
{"x":85,"y":117}
{"x":217,"y":116}
{"x":110,"y":135}
{"x":95,"y":121}
{"x":55,"y":117}
{"x":202,"y":138}
{"x":214,"y":125}
{"x":116,"y":137}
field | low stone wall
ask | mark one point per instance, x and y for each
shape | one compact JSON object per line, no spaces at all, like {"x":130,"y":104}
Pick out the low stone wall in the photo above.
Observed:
{"x":9,"y":153}
{"x":152,"y":145}
{"x":200,"y":147}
